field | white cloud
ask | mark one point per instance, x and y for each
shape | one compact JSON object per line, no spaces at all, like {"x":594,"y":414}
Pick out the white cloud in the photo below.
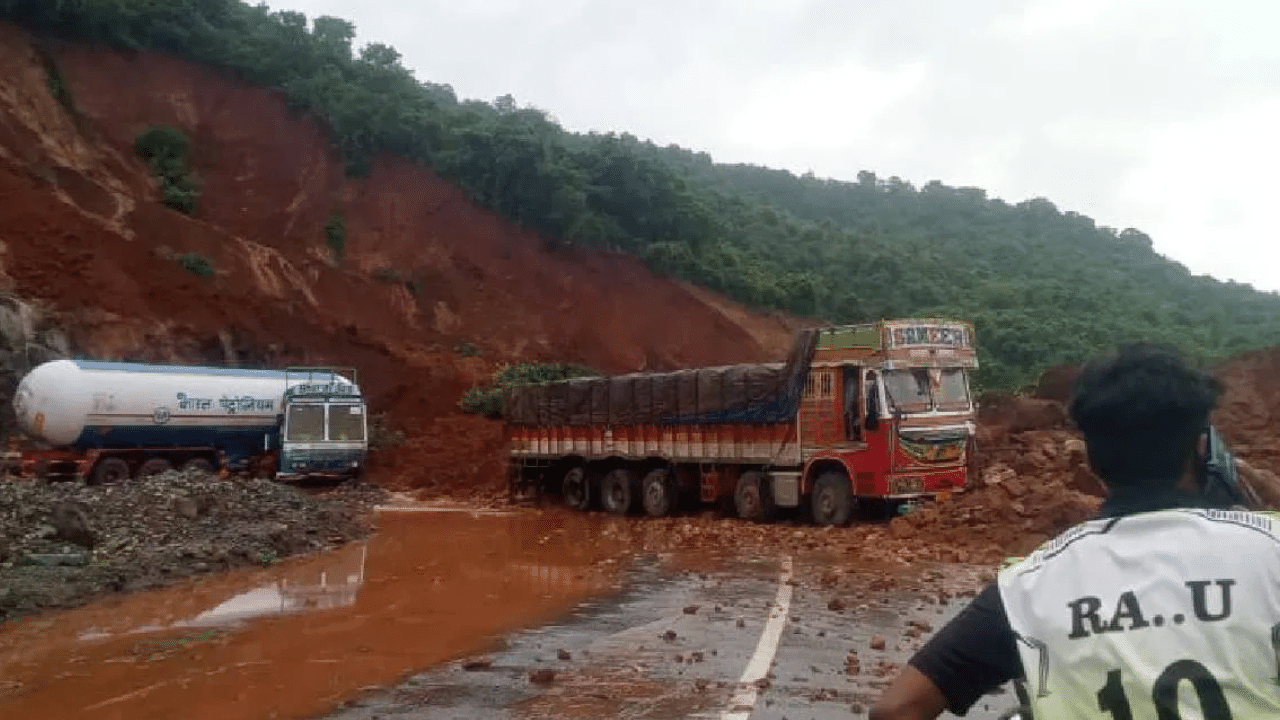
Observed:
{"x":788,"y":113}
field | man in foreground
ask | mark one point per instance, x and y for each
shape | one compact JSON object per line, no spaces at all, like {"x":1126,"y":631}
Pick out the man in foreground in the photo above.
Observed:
{"x":1161,"y":607}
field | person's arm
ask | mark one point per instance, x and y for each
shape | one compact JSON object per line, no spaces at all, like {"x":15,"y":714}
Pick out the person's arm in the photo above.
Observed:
{"x":912,"y":696}
{"x":970,"y":656}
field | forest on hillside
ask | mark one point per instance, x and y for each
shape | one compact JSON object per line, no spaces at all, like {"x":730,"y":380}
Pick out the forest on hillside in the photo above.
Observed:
{"x":1042,"y":286}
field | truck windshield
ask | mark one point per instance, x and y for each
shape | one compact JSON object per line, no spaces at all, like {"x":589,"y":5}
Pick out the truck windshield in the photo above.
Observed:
{"x":306,"y":423}
{"x":952,"y":393}
{"x":908,"y":390}
{"x":922,"y":389}
{"x":346,"y":423}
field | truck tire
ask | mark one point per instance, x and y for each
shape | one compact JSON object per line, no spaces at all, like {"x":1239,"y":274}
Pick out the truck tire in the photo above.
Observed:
{"x":198,"y":465}
{"x":154,"y":466}
{"x":109,"y":470}
{"x":618,"y":491}
{"x":575,"y":489}
{"x":658,"y":493}
{"x":832,"y":500}
{"x":753,"y":498}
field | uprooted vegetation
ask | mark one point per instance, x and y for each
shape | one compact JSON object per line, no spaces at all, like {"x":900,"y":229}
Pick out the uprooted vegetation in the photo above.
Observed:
{"x":487,"y":401}
{"x":165,"y":150}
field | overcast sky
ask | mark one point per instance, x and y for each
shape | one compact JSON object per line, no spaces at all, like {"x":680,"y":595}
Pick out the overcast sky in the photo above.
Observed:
{"x":1157,"y":114}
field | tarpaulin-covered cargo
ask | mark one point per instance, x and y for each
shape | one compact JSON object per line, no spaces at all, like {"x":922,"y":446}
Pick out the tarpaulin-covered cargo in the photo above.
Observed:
{"x":749,"y":394}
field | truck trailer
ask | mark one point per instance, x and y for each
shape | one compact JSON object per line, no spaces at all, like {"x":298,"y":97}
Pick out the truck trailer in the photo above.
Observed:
{"x":110,"y":421}
{"x":876,"y":414}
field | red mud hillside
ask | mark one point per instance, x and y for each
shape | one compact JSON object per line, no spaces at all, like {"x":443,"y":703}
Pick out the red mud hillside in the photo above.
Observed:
{"x":1249,"y":412}
{"x":423,"y":271}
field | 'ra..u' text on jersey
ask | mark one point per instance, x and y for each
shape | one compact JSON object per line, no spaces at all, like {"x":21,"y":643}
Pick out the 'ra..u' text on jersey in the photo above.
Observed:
{"x":1153,"y":616}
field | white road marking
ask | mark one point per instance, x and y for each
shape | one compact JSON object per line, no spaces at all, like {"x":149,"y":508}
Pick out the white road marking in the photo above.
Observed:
{"x":744,"y":701}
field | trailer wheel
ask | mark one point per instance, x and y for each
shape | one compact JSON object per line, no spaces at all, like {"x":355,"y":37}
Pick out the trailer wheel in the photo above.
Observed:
{"x":832,"y":501}
{"x":658,"y":493}
{"x":575,"y":490}
{"x":154,"y":466}
{"x":110,"y":470}
{"x":201,"y":465}
{"x":618,"y":491}
{"x":753,"y":498}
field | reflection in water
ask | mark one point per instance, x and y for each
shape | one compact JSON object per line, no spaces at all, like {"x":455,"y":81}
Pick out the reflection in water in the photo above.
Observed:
{"x":332,"y":582}
{"x":557,"y":578}
{"x":331,"y":586}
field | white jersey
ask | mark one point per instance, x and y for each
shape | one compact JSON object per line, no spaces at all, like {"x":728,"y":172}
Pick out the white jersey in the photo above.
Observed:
{"x":1161,"y":615}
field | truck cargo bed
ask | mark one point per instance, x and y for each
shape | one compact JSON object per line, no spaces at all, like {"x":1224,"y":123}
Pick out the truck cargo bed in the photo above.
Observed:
{"x":756,"y":444}
{"x":748,"y":394}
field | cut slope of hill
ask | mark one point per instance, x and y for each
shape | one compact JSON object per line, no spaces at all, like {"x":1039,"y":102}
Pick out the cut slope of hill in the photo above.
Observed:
{"x":428,"y":293}
{"x":1043,"y":287}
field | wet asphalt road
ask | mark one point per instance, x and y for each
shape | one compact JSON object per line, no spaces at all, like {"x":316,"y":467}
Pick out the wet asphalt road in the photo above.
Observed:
{"x":681,"y":645}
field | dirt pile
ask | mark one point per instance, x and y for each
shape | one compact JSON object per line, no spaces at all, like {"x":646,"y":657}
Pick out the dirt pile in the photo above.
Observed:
{"x":1249,"y":412}
{"x":61,"y":544}
{"x":1026,"y":492}
{"x":1031,"y":481}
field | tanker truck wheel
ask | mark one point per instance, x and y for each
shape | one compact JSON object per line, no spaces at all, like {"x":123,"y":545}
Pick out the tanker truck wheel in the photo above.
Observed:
{"x":574,"y":488}
{"x":154,"y":466}
{"x":109,"y":470}
{"x":753,"y":498}
{"x":832,"y":499}
{"x":658,"y":493}
{"x":618,"y":491}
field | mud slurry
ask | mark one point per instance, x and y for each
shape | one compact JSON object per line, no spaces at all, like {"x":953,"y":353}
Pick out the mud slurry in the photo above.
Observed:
{"x":674,"y":644}
{"x":296,"y":639}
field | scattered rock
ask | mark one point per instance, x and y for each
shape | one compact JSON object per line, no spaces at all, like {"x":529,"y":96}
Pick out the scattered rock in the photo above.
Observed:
{"x":69,"y":542}
{"x":544,"y":676}
{"x":477,"y":664}
{"x":878,"y":642}
{"x":564,"y":655}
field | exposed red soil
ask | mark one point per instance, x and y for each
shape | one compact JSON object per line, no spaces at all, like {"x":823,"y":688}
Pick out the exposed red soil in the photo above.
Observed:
{"x":1250,"y":408}
{"x":423,"y":272}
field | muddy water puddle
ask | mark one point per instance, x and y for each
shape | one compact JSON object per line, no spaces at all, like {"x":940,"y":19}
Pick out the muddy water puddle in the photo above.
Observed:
{"x":293,"y":640}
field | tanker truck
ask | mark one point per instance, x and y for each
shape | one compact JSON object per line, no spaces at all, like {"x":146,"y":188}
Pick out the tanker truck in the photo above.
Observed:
{"x":110,"y":421}
{"x":875,"y":415}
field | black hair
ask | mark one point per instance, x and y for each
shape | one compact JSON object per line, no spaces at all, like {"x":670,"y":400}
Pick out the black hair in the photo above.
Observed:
{"x":1142,"y":408}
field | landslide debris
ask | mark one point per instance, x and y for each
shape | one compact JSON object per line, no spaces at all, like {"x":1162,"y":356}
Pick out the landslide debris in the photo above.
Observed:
{"x":1032,"y":482}
{"x":1249,"y":409}
{"x":62,"y":544}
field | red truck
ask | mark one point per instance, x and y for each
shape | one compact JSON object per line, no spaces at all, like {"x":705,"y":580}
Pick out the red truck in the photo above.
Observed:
{"x":874,"y":414}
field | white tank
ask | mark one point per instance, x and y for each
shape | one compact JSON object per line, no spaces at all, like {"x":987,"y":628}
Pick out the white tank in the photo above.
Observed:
{"x":58,"y":400}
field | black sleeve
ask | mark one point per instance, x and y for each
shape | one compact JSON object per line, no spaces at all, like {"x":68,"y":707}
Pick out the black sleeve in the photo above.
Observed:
{"x":973,"y":654}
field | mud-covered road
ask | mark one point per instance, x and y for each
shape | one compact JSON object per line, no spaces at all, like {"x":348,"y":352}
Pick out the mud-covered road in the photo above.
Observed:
{"x":459,"y":613}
